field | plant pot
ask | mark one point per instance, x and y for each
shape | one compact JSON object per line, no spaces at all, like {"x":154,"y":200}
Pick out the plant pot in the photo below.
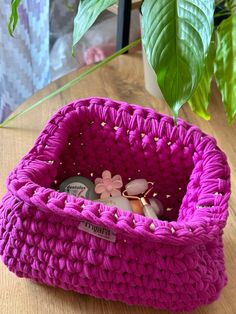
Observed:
{"x":150,"y":81}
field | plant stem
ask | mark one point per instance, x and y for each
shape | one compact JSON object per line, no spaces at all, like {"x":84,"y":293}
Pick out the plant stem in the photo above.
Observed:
{"x":222,"y":14}
{"x":73,"y":81}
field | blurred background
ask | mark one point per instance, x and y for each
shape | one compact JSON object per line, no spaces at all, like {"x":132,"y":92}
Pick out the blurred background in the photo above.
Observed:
{"x":40,"y":51}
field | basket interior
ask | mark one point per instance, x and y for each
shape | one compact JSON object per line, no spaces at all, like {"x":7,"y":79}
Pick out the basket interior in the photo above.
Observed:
{"x":92,"y":145}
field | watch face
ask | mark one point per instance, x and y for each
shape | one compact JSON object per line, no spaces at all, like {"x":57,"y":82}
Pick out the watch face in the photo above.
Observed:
{"x":77,"y":189}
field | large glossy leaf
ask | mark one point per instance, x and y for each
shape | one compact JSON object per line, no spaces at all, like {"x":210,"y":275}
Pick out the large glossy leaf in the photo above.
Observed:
{"x":226,"y":65}
{"x":200,"y":99}
{"x":88,"y":11}
{"x":176,"y":37}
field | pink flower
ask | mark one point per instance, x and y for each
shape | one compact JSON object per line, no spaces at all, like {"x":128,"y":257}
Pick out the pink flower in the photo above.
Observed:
{"x":98,"y":53}
{"x":108,"y":186}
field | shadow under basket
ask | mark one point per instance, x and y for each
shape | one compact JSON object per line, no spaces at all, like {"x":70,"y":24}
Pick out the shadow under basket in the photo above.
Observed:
{"x":176,"y":265}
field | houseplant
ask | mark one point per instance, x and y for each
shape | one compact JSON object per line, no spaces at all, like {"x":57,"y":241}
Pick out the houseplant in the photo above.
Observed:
{"x":181,"y":43}
{"x":183,"y":46}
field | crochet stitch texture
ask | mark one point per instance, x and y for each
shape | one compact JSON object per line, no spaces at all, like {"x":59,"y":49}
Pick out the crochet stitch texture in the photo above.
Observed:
{"x":178,"y":265}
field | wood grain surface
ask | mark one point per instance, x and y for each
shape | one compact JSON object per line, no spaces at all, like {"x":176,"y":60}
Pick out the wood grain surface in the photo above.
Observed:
{"x":122,"y":79}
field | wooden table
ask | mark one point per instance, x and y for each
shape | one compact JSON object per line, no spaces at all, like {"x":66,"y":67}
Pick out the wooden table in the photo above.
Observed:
{"x":122,"y":79}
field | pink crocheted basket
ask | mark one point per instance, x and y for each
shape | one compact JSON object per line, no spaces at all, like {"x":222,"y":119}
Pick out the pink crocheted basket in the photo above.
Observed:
{"x":177,"y":266}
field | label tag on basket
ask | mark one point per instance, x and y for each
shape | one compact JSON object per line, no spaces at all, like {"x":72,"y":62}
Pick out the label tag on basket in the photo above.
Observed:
{"x":97,"y":231}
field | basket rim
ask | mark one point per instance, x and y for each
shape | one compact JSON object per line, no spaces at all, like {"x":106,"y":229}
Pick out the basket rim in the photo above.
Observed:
{"x":206,"y":222}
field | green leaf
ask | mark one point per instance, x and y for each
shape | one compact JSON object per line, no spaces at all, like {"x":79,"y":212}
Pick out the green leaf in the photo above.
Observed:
{"x":200,"y":99}
{"x":14,"y":16}
{"x":225,"y":66}
{"x":88,"y":11}
{"x":176,"y":37}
